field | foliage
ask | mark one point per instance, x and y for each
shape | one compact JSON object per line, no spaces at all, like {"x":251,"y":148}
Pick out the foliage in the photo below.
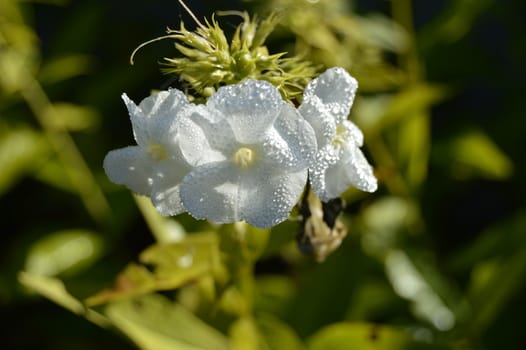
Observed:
{"x":434,"y":260}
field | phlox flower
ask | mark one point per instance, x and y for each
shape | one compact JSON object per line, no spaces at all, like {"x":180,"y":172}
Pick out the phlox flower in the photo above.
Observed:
{"x":339,"y":162}
{"x":250,"y":152}
{"x":155,"y":166}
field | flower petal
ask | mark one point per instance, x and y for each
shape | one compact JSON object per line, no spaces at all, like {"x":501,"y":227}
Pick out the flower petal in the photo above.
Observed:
{"x":131,"y":167}
{"x":336,"y":90}
{"x":249,"y":107}
{"x":357,"y":169}
{"x":223,"y":194}
{"x":354,"y":133}
{"x":291,"y":143}
{"x":167,"y":200}
{"x":204,"y":138}
{"x":323,"y":123}
{"x":153,"y":120}
{"x":165,"y":189}
{"x":211,"y":191}
{"x":267,"y":198}
{"x":326,"y":157}
{"x":337,"y":168}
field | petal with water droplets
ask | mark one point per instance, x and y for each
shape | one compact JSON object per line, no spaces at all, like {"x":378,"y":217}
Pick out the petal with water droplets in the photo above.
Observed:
{"x":291,"y":143}
{"x":249,"y":107}
{"x":130,"y":166}
{"x":336,"y":90}
{"x":202,"y":139}
{"x":153,"y":120}
{"x":211,"y":191}
{"x":268,"y":197}
{"x":165,"y":188}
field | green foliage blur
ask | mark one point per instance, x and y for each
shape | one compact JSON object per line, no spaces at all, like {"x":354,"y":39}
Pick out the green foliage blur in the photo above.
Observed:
{"x":435,"y":259}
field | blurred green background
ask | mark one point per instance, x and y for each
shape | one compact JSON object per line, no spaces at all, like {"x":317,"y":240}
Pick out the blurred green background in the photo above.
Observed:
{"x":435,"y":259}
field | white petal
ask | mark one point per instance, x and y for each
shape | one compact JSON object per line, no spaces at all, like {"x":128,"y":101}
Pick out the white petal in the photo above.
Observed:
{"x":154,"y":119}
{"x":250,"y":107}
{"x":358,"y":170}
{"x":337,"y":168}
{"x":336,"y":90}
{"x":326,"y":157}
{"x":168,"y":201}
{"x":267,"y":198}
{"x":354,"y":133}
{"x":165,"y":189}
{"x":223,"y":194}
{"x":203,"y":138}
{"x":323,"y":123}
{"x":291,"y":143}
{"x":211,"y":192}
{"x":131,"y":167}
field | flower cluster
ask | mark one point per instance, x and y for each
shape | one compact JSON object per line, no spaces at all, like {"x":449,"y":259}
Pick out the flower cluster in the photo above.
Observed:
{"x":246,"y":154}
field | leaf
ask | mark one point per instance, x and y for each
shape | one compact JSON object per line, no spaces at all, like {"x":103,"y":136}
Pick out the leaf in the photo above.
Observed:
{"x":274,"y":293}
{"x":53,"y":173}
{"x":501,"y":274}
{"x":155,"y":323}
{"x":454,"y":23}
{"x":67,"y":116}
{"x":174,"y":265}
{"x":244,"y":334}
{"x":63,"y":68}
{"x":475,"y":154}
{"x":63,"y":252}
{"x":277,"y":334}
{"x":413,"y":147}
{"x":17,"y":58}
{"x":384,"y":222}
{"x":363,"y":336}
{"x":21,"y":151}
{"x":411,"y":100}
{"x":410,"y":283}
{"x":54,"y":290}
{"x":384,"y":33}
{"x":165,"y":230}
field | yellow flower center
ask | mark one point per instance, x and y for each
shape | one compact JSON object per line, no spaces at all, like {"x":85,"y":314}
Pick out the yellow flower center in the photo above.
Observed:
{"x":341,"y":135}
{"x":244,"y":157}
{"x":157,"y":152}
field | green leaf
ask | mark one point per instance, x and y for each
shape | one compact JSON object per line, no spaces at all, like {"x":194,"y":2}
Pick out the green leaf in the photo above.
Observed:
{"x":67,"y":116}
{"x":173,"y":265}
{"x":53,"y":173}
{"x":501,"y":274}
{"x":363,"y":336}
{"x":277,"y":334}
{"x":475,"y":154}
{"x":155,"y":323}
{"x":165,"y":230}
{"x":454,"y":23}
{"x":63,"y":68}
{"x":21,"y":151}
{"x":16,"y":63}
{"x":413,"y":147}
{"x":244,"y":335}
{"x":63,"y":252}
{"x":412,"y":100}
{"x":421,"y":289}
{"x":274,"y":293}
{"x":54,"y":290}
{"x":385,"y":220}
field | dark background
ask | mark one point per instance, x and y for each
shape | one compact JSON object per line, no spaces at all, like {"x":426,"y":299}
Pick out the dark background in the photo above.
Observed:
{"x":484,"y":68}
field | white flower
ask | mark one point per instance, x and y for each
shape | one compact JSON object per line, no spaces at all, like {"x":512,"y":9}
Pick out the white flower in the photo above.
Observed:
{"x":339,"y":162}
{"x":250,"y":150}
{"x":154,"y":167}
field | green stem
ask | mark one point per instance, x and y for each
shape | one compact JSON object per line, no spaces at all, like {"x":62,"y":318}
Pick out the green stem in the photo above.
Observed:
{"x":76,"y":168}
{"x":402,"y":11}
